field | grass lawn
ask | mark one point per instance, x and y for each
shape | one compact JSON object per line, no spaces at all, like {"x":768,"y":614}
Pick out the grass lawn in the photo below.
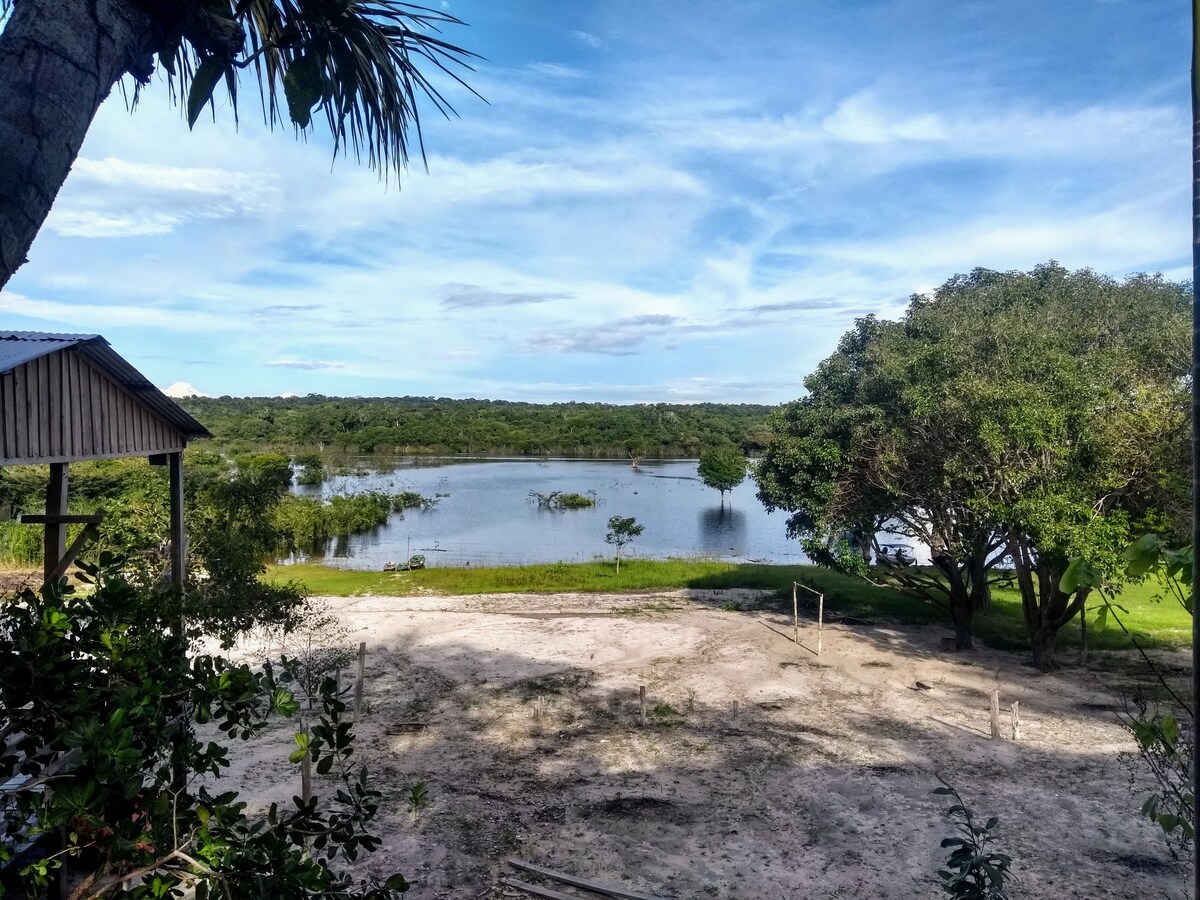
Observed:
{"x":1155,"y":623}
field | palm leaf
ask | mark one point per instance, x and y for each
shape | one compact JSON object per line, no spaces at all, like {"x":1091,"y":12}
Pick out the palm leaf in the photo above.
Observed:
{"x":366,"y":64}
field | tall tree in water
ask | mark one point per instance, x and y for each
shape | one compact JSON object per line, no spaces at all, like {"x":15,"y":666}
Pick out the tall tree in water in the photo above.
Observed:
{"x":362,"y":64}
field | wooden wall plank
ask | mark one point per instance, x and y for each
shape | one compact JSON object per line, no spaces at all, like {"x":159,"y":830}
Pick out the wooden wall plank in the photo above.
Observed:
{"x":54,"y":405}
{"x":95,"y":441}
{"x":83,"y":399}
{"x":43,"y":407}
{"x":21,"y":409}
{"x":10,"y":414}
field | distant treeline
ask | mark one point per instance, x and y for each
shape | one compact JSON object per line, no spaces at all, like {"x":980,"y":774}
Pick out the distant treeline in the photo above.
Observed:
{"x":441,"y":425}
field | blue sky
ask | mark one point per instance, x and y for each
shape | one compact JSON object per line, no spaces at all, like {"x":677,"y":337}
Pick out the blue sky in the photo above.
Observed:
{"x":661,"y":201}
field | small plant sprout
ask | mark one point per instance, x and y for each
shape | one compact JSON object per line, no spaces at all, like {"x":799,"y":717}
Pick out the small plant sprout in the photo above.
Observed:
{"x":418,"y":796}
{"x":972,"y":871}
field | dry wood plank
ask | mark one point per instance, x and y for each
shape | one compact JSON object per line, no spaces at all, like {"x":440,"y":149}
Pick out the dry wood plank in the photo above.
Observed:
{"x":22,"y":405}
{"x":43,"y":405}
{"x":537,"y":890}
{"x":585,"y":883}
{"x":8,"y":402}
{"x":112,"y":414}
{"x":77,"y":546}
{"x":53,"y":403}
{"x":79,"y":401}
{"x":67,"y":519}
{"x":94,"y":442}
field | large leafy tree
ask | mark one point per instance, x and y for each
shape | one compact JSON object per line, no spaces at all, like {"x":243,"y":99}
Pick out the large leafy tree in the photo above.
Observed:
{"x":1009,"y":422}
{"x":361,"y":64}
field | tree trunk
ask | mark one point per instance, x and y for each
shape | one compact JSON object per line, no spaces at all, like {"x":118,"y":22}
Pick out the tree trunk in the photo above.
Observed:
{"x":59,"y":59}
{"x":961,"y":612}
{"x":981,"y":588}
{"x":1046,"y":608}
{"x":1044,"y":641}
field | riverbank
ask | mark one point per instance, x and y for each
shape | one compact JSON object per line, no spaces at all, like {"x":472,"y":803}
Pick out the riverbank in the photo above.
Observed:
{"x":519,"y":717}
{"x":1153,"y":622}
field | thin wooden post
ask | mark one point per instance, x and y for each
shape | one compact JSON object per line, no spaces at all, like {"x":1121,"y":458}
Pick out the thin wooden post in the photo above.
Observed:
{"x":55,"y":543}
{"x":1083,"y":651}
{"x":820,"y":620}
{"x":795,"y":615}
{"x":178,"y":535}
{"x":358,"y":682}
{"x":306,"y":768}
{"x":735,"y":714}
{"x":642,"y":699}
{"x":1015,"y":711}
{"x":996,"y":716}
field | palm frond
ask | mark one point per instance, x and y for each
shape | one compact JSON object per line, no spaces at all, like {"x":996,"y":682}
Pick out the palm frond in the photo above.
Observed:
{"x":367,"y":64}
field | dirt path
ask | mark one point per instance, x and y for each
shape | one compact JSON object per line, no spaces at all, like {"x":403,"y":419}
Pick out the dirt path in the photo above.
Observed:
{"x":821,"y":788}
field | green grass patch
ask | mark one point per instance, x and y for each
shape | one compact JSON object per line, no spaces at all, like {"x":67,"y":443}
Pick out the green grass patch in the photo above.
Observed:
{"x":1155,"y":623}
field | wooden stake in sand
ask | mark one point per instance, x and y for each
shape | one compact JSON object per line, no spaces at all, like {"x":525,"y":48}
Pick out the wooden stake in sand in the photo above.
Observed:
{"x":305,"y":769}
{"x":358,"y":682}
{"x":820,"y":620}
{"x":1016,"y":720}
{"x":795,"y":615}
{"x":996,"y":716}
{"x":642,"y":698}
{"x":735,"y":714}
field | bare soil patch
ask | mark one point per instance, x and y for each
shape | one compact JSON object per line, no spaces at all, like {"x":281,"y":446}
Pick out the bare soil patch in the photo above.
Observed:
{"x":819,"y":789}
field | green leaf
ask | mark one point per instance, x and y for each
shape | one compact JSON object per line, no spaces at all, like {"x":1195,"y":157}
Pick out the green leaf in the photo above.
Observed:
{"x":396,"y":883}
{"x":1142,"y":555}
{"x":302,"y":87}
{"x":204,"y":82}
{"x":1080,"y":574}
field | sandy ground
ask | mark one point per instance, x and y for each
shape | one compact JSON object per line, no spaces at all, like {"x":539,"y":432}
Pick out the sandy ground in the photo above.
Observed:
{"x":820,"y":788}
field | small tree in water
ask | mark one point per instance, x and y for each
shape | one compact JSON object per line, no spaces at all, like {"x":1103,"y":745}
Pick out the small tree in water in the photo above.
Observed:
{"x":722,"y":469}
{"x":621,"y":531}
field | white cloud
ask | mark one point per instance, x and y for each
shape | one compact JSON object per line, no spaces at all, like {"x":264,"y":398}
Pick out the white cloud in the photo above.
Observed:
{"x":183,"y":389}
{"x":112,"y":197}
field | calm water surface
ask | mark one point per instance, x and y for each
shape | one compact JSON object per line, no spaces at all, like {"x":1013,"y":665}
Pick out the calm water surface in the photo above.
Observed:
{"x":487,"y":517}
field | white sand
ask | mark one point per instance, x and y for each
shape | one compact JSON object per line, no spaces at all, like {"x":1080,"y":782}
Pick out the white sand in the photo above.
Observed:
{"x":823,"y":789}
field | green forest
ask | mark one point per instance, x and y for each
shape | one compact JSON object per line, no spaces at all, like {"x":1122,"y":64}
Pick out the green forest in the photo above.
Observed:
{"x":443,"y":425}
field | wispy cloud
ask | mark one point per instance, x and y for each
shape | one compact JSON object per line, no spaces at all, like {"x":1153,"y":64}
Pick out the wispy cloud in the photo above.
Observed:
{"x":794,"y":306}
{"x":471,"y":296}
{"x":306,"y":364}
{"x":617,"y":338}
{"x":111,"y":197}
{"x":587,"y":39}
{"x":284,"y":309}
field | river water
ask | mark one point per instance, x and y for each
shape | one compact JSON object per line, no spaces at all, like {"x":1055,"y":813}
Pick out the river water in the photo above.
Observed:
{"x":486,"y":515}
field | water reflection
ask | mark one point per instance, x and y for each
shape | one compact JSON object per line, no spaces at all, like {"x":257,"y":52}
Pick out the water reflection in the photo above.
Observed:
{"x":722,"y":531}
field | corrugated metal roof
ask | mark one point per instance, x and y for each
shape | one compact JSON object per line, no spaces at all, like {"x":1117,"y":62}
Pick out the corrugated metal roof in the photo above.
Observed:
{"x":18,"y":347}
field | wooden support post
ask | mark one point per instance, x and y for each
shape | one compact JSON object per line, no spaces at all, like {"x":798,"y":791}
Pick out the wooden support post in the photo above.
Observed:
{"x":1016,"y":720}
{"x":795,"y":615}
{"x":996,"y":716}
{"x":178,"y":535}
{"x":735,"y":714}
{"x":306,"y":769}
{"x":1083,"y":651}
{"x":820,"y":620}
{"x":55,"y":545}
{"x":358,"y":682}
{"x":642,"y":699}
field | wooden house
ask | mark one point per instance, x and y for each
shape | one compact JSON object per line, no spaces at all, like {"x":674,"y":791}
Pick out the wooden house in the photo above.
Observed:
{"x":66,"y":398}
